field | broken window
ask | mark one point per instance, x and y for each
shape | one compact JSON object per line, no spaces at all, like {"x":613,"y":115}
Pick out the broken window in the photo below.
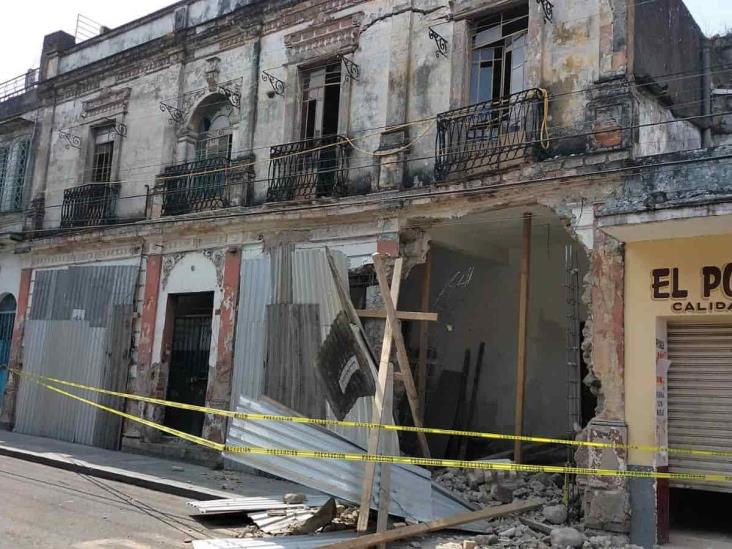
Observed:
{"x":103,"y":152}
{"x":498,"y":55}
{"x":321,"y":94}
{"x":13,"y":162}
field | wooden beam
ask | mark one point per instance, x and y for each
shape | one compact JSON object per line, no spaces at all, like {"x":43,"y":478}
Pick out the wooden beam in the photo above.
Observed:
{"x":523,"y":318}
{"x":440,"y":524}
{"x":402,"y":358}
{"x":423,"y":331}
{"x":401,"y":315}
{"x":379,"y":413}
{"x":382,"y":517}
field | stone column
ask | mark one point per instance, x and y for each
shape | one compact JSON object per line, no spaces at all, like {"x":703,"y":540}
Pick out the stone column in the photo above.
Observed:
{"x":218,"y":392}
{"x":605,"y":500}
{"x":144,"y":381}
{"x":7,"y":419}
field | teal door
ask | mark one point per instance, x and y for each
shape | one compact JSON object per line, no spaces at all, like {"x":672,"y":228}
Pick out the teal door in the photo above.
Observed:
{"x":7,"y":320}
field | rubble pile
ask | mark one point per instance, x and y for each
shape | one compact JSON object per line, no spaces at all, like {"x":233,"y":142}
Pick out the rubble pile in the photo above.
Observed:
{"x":487,"y":488}
{"x":538,"y":529}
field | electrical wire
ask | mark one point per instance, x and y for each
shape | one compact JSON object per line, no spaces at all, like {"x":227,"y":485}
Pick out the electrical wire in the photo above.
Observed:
{"x":448,"y":151}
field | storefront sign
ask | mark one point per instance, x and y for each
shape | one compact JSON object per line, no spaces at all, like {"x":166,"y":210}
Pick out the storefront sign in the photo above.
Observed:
{"x":708,"y":291}
{"x":662,"y":366}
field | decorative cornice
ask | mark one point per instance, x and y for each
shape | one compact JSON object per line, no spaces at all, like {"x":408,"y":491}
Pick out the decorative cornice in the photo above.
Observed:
{"x":108,"y":101}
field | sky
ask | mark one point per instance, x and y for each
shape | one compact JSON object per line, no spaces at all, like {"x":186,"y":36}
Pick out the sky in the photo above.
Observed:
{"x":24,"y":23}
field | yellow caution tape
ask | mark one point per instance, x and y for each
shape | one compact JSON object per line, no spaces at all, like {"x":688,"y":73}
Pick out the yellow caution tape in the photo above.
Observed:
{"x":369,"y":425}
{"x":400,"y":460}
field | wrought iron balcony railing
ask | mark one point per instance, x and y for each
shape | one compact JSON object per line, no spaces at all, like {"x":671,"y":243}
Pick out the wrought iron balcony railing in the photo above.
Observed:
{"x":492,"y":134}
{"x":89,"y":205}
{"x":194,"y":186}
{"x":308,"y":169}
{"x":18,"y":85}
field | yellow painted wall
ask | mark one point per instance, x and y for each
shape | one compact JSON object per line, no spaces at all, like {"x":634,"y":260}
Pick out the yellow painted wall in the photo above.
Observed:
{"x":643,"y":313}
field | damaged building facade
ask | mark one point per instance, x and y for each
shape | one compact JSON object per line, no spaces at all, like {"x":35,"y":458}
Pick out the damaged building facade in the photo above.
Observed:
{"x":170,"y":188}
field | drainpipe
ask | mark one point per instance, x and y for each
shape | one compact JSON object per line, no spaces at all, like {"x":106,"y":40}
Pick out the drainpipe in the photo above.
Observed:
{"x":707,"y":96}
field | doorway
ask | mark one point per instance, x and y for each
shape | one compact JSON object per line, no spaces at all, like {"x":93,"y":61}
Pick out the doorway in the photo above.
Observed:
{"x":7,"y":321}
{"x":189,"y":355}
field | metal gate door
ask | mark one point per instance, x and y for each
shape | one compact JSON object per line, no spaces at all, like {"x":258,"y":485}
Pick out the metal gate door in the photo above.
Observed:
{"x":7,"y":321}
{"x":700,"y":400}
{"x":188,"y":375}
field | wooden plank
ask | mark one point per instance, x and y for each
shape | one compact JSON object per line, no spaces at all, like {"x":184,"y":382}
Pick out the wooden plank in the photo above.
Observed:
{"x":423,"y":332}
{"x":382,"y":516}
{"x":523,"y":318}
{"x":379,"y":414}
{"x":432,"y":526}
{"x":401,"y":315}
{"x":401,"y":349}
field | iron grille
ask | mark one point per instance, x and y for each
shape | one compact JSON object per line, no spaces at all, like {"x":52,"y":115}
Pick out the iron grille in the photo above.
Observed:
{"x":89,"y":205}
{"x":308,"y":169}
{"x":18,"y":85}
{"x":195,"y":186}
{"x":490,"y":134}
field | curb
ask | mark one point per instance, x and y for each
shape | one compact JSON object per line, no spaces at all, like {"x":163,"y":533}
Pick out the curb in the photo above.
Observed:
{"x":159,"y":484}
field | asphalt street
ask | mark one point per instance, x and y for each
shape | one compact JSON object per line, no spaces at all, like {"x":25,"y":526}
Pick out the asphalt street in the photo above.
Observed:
{"x":41,"y":506}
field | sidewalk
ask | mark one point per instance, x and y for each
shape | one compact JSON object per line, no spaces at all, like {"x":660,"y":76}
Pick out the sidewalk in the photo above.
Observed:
{"x":173,"y":477}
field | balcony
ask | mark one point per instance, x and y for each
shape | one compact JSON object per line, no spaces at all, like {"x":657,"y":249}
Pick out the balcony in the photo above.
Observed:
{"x":491,"y":135}
{"x":18,"y":85}
{"x":89,"y":205}
{"x":198,"y":186}
{"x":308,"y":169}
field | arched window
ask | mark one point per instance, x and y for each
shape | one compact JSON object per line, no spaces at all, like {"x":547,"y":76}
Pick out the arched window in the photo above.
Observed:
{"x":7,"y":304}
{"x":212,"y":128}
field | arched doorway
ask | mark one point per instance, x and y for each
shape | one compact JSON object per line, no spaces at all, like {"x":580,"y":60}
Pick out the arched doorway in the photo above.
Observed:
{"x":7,"y":321}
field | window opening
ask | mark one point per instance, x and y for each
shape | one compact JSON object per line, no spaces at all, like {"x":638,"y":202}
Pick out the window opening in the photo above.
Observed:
{"x":13,"y":160}
{"x":214,"y":137}
{"x":103,"y":152}
{"x":499,"y":55}
{"x":321,"y":96}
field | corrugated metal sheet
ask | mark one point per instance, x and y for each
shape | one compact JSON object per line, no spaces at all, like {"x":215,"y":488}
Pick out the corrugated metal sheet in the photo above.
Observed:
{"x":281,"y":521}
{"x":311,"y":283}
{"x":413,"y":495}
{"x":79,"y":329}
{"x":410,"y":486}
{"x":261,"y":503}
{"x":279,"y":542}
{"x":700,"y":400}
{"x":251,"y":331}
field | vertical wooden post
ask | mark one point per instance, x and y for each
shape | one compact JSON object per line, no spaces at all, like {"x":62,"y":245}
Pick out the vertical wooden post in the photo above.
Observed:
{"x":523,"y":317}
{"x":423,"y":327}
{"x":381,"y":412}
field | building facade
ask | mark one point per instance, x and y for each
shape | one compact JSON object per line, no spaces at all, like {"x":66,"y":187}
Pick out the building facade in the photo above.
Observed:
{"x":170,"y":185}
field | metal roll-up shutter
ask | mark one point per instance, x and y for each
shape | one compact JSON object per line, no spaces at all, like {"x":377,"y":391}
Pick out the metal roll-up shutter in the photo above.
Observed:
{"x":700,"y":400}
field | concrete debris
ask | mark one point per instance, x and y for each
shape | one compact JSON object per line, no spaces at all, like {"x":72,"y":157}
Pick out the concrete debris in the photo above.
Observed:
{"x":556,"y":514}
{"x":294,"y":498}
{"x":321,"y":518}
{"x":566,"y":537}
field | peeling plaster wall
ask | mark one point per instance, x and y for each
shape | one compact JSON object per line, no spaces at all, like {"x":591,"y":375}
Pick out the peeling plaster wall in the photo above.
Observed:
{"x":657,"y":134}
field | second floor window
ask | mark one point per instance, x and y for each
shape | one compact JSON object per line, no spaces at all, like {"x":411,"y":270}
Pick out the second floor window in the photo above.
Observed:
{"x":103,"y":152}
{"x":498,"y":55}
{"x":13,"y":164}
{"x":214,"y":136}
{"x":321,"y":95}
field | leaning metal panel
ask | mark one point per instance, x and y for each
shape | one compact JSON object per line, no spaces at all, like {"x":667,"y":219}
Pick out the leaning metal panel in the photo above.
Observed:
{"x":308,"y":169}
{"x":488,"y":134}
